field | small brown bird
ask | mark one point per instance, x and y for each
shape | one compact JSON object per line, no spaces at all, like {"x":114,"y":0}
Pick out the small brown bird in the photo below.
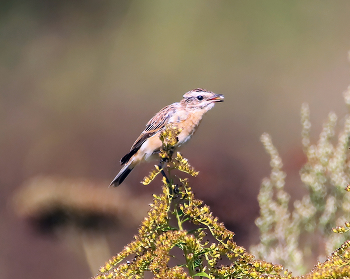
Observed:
{"x":185,"y":115}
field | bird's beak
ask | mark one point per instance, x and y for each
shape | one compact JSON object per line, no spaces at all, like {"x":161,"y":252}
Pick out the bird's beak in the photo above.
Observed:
{"x":217,"y":98}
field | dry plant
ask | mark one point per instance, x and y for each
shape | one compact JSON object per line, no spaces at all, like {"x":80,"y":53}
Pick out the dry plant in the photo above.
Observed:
{"x":77,"y":211}
{"x":313,"y":226}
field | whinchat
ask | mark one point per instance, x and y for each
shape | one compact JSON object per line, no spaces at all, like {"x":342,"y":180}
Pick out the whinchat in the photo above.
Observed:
{"x":185,"y":115}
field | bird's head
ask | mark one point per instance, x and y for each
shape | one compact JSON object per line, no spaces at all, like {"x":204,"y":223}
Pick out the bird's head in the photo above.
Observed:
{"x":201,"y":99}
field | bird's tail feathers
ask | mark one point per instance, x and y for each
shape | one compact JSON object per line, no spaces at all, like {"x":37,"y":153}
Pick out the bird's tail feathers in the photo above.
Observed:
{"x":124,"y":172}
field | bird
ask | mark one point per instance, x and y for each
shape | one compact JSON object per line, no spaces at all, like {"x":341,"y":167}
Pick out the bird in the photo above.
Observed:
{"x":185,"y":115}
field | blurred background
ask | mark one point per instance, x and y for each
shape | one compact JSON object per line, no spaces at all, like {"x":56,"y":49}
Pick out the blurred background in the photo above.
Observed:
{"x":80,"y":79}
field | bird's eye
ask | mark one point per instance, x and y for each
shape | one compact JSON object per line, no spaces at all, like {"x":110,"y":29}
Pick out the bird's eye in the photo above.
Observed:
{"x":200,"y":97}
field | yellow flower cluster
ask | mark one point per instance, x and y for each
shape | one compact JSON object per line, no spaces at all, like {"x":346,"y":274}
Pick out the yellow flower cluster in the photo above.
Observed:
{"x":343,"y":229}
{"x":178,"y":162}
{"x":336,"y":266}
{"x":145,"y":243}
{"x":169,"y":136}
{"x":149,"y":178}
{"x":153,"y":246}
{"x":169,"y":140}
{"x":243,"y":262}
{"x":183,"y":165}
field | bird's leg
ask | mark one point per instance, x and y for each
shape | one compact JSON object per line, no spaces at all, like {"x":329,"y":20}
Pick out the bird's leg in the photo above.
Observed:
{"x":161,"y":165}
{"x":176,"y":189}
{"x":171,"y":151}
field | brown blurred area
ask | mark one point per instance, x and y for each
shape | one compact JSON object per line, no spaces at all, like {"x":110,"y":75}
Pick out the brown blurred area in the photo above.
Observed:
{"x":80,"y":79}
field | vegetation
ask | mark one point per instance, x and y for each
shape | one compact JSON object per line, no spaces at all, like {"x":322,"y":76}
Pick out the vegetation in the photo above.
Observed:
{"x":180,"y":237}
{"x":291,"y":234}
{"x":165,"y":228}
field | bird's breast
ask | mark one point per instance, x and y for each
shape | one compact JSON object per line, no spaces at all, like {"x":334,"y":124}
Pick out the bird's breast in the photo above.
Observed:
{"x":189,"y":126}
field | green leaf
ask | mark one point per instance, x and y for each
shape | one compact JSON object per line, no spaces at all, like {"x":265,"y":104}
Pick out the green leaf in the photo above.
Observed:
{"x":180,"y":212}
{"x":165,"y":229}
{"x":195,"y":230}
{"x":197,"y":262}
{"x":202,"y":274}
{"x":181,"y":245}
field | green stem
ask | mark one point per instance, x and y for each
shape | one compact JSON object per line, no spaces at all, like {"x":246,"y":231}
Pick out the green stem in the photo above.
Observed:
{"x":188,"y":263}
{"x":179,"y":222}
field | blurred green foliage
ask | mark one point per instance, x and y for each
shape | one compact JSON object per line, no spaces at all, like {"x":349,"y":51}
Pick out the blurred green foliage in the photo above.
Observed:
{"x":289,"y":235}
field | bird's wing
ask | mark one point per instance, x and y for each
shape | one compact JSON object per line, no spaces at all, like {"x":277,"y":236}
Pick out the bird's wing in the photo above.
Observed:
{"x":155,"y":125}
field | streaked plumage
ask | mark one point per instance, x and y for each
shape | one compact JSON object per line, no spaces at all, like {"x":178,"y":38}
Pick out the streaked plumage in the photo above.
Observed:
{"x":186,"y":115}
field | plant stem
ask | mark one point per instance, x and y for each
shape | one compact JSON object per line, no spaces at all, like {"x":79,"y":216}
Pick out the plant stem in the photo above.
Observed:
{"x":179,"y":223}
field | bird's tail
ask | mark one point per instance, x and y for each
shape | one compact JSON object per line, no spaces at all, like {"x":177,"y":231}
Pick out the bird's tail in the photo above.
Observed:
{"x":124,"y":172}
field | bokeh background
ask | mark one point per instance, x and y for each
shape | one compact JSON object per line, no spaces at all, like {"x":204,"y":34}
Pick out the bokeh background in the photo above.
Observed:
{"x":79,"y":80}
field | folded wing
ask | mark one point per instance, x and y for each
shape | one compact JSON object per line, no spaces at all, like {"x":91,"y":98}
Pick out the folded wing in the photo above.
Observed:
{"x":155,"y":125}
